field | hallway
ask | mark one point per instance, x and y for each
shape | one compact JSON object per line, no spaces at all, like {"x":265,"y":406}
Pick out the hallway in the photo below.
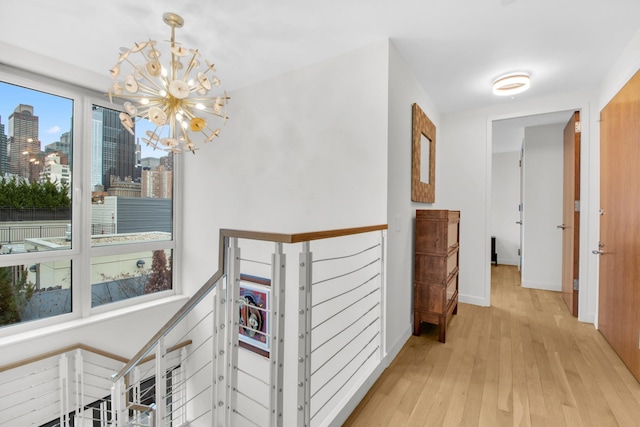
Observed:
{"x":525,"y":361}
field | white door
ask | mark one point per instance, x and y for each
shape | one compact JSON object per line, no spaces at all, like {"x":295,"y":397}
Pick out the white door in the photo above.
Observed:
{"x":542,"y":240}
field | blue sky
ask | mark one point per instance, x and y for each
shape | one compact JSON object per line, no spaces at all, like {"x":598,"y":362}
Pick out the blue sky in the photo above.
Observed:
{"x":54,"y":112}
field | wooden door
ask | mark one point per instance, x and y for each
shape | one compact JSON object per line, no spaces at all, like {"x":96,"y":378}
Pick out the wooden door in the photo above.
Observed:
{"x":571,"y":212}
{"x":521,"y":209}
{"x":619,"y":292}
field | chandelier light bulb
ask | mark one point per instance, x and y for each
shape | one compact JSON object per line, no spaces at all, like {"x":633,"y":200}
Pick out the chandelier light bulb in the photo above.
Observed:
{"x":173,"y":96}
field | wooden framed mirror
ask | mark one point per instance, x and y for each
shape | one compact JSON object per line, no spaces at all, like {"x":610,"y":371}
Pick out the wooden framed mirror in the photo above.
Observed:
{"x":423,"y":163}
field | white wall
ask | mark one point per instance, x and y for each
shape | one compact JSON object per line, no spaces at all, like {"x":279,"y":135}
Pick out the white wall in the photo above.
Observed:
{"x":542,"y":202}
{"x":404,"y":90}
{"x":306,"y":151}
{"x":621,"y":71}
{"x":505,"y":197}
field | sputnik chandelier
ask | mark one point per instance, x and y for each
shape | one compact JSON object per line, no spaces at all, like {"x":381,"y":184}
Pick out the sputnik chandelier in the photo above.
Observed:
{"x":174,"y":99}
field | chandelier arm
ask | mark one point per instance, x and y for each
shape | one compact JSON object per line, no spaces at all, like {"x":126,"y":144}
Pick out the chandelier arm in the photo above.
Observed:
{"x":190,"y":66}
{"x":144,"y":74}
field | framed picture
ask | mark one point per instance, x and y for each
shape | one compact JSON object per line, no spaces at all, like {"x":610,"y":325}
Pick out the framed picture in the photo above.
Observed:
{"x":423,"y":162}
{"x":253,"y":318}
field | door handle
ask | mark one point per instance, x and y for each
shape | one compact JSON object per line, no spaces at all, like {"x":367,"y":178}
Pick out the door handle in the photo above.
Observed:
{"x":599,"y":252}
{"x":519,"y":222}
{"x":561,"y":226}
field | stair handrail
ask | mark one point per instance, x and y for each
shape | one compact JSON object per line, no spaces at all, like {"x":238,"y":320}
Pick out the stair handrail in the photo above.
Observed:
{"x":59,"y":351}
{"x":211,"y":283}
{"x":80,"y":346}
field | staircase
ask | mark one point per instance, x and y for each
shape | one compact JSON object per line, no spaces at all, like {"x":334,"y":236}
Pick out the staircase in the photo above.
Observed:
{"x":288,"y":332}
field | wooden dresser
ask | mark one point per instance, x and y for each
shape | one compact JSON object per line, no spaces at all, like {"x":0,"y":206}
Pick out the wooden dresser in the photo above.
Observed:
{"x":435,"y":286}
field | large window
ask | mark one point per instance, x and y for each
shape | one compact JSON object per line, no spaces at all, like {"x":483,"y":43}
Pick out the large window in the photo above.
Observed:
{"x":131,"y":202}
{"x":77,"y":238}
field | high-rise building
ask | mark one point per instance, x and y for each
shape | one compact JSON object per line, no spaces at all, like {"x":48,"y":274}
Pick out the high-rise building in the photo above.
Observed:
{"x":23,"y":142}
{"x":167,"y":161}
{"x":55,"y":171}
{"x":4,"y":161}
{"x":63,"y":147}
{"x":157,"y":183}
{"x":150,"y":163}
{"x":113,"y":149}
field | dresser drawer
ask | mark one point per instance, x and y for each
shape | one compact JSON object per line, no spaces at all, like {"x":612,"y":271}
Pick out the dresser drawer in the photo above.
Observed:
{"x":435,"y":269}
{"x":429,"y":298}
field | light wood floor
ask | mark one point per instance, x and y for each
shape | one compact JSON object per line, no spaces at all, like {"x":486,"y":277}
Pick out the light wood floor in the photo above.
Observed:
{"x":525,"y":361}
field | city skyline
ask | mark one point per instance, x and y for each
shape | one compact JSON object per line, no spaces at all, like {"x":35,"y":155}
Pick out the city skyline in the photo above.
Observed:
{"x":54,"y":113}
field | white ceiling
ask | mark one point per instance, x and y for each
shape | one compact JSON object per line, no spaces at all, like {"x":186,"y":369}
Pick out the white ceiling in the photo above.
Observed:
{"x":455,"y":47}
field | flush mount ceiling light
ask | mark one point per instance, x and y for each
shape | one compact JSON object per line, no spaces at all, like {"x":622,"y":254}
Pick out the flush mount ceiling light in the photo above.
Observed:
{"x":511,"y":84}
{"x":175,"y":98}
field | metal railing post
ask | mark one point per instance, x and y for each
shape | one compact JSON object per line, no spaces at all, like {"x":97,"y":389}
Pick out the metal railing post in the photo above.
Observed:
{"x":304,"y":337}
{"x":233,"y":295}
{"x":104,"y":413}
{"x":64,"y":390}
{"x":134,"y":384}
{"x":225,"y":354}
{"x":161,"y":382}
{"x":180,"y":415}
{"x":277,"y":322}
{"x":79,"y":377}
{"x":383,"y":296}
{"x":118,"y":410}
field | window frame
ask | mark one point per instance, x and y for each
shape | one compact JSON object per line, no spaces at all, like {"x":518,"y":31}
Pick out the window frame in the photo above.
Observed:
{"x":81,"y":252}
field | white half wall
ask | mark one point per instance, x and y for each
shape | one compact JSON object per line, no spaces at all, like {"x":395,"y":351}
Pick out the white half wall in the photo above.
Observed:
{"x":505,"y":191}
{"x":542,"y":213}
{"x":122,"y":332}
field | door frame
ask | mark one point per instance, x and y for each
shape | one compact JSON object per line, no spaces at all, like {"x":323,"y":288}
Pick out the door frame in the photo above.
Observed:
{"x":572,"y":142}
{"x":589,"y":195}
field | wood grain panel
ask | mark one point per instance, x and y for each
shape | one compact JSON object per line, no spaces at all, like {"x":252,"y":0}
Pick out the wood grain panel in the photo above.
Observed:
{"x":619,"y":292}
{"x":421,"y":125}
{"x":571,"y":218}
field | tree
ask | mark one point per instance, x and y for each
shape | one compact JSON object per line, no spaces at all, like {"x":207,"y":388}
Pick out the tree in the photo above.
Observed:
{"x":14,"y":194}
{"x":160,"y":277}
{"x":8,"y":310}
{"x":14,"y":296}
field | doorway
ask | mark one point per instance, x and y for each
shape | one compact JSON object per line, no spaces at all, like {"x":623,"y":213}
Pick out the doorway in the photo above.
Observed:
{"x":529,"y":234}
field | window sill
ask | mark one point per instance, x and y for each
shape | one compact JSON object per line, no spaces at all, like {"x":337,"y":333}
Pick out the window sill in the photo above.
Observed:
{"x":64,"y":327}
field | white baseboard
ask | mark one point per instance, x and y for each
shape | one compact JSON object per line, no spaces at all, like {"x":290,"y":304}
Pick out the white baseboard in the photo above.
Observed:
{"x":507,"y":261}
{"x":468,"y":299}
{"x":557,"y":287}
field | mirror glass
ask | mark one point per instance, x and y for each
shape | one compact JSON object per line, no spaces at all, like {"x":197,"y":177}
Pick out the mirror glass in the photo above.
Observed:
{"x":425,"y":153}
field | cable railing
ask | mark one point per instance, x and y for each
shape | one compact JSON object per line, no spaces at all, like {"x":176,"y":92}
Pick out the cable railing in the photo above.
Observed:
{"x":285,"y":333}
{"x":318,"y":317}
{"x":70,"y":386}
